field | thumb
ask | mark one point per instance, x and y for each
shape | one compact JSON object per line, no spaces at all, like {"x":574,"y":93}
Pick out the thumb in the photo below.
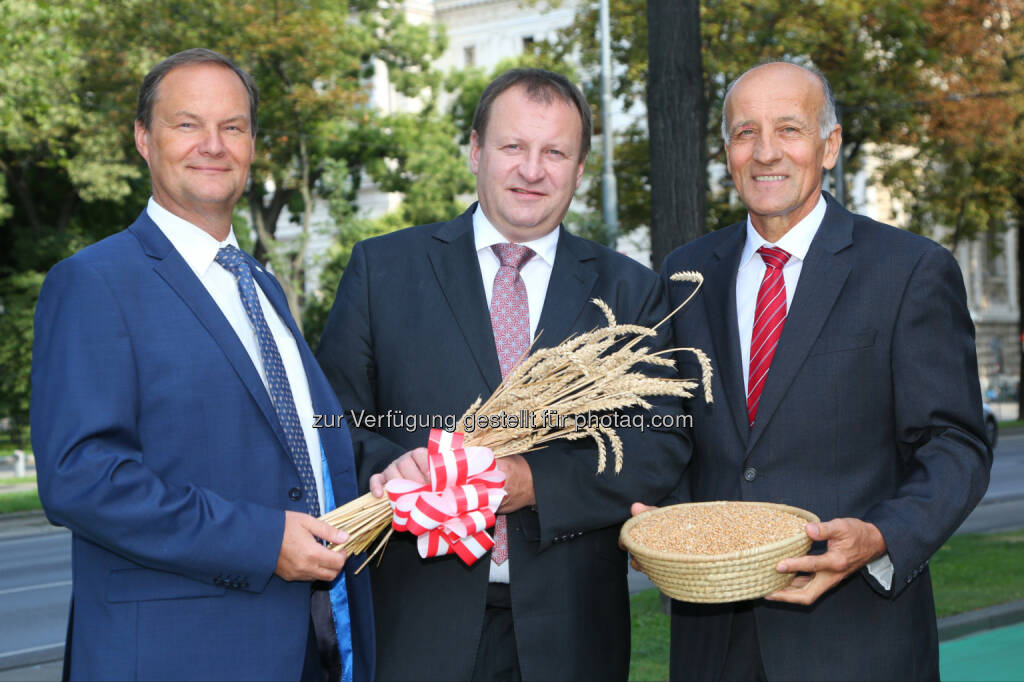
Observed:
{"x":819,"y":531}
{"x":640,"y":508}
{"x":326,"y":531}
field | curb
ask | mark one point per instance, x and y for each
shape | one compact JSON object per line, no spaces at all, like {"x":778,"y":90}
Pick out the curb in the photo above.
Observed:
{"x":31,"y":514}
{"x":47,"y":653}
{"x":989,"y":618}
{"x":1005,"y":497}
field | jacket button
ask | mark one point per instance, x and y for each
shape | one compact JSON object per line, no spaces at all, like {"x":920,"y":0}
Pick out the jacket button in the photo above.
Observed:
{"x":295,"y":494}
{"x":749,"y":474}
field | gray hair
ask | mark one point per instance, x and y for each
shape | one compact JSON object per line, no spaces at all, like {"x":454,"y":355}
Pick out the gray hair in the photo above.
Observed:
{"x":196,"y":55}
{"x":827,"y":118}
{"x":541,"y":86}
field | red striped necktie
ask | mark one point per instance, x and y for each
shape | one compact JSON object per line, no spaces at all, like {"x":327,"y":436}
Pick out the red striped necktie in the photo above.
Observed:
{"x":769,"y":317}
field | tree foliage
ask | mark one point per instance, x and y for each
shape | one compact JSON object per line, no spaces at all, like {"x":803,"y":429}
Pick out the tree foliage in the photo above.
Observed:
{"x":874,"y":52}
{"x":70,"y":72}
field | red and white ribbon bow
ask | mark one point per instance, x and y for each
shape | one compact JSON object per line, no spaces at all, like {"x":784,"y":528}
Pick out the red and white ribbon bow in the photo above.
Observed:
{"x":453,"y":511}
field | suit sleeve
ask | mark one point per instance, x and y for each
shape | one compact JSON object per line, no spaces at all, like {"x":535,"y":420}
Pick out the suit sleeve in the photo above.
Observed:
{"x":938,"y":419}
{"x":347,"y":358}
{"x":571,"y":497}
{"x":93,"y":478}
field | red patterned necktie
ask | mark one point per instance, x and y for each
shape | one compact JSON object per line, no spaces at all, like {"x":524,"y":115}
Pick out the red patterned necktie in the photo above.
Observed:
{"x":769,"y":318}
{"x":510,"y":321}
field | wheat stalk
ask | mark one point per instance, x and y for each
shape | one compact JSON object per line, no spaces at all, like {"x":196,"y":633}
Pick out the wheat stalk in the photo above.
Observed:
{"x":593,"y":372}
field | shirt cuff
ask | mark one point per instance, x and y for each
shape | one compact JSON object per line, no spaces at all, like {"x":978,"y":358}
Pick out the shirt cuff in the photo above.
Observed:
{"x":881,"y":570}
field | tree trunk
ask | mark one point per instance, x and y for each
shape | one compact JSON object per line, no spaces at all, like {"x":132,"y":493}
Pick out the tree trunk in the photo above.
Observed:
{"x":677,"y":123}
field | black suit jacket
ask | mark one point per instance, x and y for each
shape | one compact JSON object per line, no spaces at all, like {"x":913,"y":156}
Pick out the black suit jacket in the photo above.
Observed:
{"x":871,"y":410}
{"x":410,"y":333}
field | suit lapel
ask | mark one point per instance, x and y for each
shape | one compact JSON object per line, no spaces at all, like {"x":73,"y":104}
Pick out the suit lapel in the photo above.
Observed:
{"x":322,"y":396}
{"x":171,"y":267}
{"x":457,"y":268}
{"x":721,"y":316}
{"x":822,"y":277}
{"x":572,"y":281}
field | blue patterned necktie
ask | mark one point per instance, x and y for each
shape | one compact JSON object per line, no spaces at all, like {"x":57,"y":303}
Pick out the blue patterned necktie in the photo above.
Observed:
{"x":232,"y":260}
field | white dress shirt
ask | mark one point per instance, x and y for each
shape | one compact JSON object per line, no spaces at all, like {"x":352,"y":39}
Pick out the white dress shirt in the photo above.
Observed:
{"x":198,"y":248}
{"x":797,"y":241}
{"x":748,"y":279}
{"x":536,"y":274}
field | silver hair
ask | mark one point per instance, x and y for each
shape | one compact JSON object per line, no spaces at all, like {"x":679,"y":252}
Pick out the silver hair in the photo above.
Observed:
{"x":827,"y":118}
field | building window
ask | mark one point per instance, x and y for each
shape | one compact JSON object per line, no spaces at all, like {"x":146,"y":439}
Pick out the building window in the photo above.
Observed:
{"x":528,"y":43}
{"x":469,"y":54}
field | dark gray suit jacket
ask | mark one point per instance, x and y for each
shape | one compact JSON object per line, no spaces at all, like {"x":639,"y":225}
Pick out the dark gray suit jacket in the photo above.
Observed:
{"x":871,"y":410}
{"x":410,"y":331}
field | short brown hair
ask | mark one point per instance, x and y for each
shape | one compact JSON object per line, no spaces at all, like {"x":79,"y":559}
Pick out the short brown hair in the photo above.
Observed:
{"x":196,"y":55}
{"x":540,"y":86}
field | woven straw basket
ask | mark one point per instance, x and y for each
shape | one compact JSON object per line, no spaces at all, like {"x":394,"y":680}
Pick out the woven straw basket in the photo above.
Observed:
{"x":718,"y":578}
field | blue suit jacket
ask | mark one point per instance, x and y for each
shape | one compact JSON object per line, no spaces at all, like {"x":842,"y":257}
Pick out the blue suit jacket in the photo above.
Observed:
{"x":157,"y":445}
{"x":871,"y":410}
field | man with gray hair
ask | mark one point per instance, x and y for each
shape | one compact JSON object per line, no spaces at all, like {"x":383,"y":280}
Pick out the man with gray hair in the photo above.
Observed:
{"x":172,"y":411}
{"x":846,"y":384}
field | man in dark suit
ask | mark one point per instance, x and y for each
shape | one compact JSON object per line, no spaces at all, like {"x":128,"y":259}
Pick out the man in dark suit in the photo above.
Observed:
{"x":846,"y":384}
{"x":172,"y":410}
{"x":429,"y":318}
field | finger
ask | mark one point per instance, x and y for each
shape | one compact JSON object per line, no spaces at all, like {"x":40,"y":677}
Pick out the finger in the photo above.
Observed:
{"x":377,"y":485}
{"x":422,"y":459}
{"x":640,"y":508}
{"x":325,"y":564}
{"x":408,"y":469}
{"x":812,"y":563}
{"x":799,"y":581}
{"x":805,"y":592}
{"x":324,"y":530}
{"x":391,"y":472}
{"x":635,"y":564}
{"x":826,"y":529}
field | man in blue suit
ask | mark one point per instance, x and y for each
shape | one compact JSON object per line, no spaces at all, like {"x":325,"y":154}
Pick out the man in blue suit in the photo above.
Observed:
{"x":172,"y":412}
{"x":846,"y":384}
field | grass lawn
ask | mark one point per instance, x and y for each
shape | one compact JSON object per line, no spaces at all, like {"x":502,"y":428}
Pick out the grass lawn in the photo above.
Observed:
{"x":649,"y":654}
{"x":969,"y":572}
{"x":16,"y":481}
{"x":977,"y":570}
{"x":26,"y":500}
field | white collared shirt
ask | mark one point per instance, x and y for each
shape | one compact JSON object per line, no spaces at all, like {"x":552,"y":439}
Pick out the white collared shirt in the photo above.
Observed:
{"x":199,"y":249}
{"x":797,"y":241}
{"x":748,"y":278}
{"x":536,"y":274}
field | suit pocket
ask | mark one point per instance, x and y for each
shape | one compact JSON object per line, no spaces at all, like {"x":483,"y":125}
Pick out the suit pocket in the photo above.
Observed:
{"x":835,"y":344}
{"x":143,"y":584}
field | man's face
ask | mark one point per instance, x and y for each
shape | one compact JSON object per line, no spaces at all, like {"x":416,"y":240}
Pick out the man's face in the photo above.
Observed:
{"x":775,"y":152}
{"x":199,"y":146}
{"x":529,"y":164}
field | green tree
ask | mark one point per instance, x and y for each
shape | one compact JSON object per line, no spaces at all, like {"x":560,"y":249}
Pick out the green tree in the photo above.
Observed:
{"x":874,"y":52}
{"x":21,"y":290}
{"x":964,"y":179}
{"x":70,"y":72}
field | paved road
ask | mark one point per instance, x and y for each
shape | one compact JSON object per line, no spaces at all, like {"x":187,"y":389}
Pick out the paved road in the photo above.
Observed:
{"x":35,"y":570}
{"x":35,"y":591}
